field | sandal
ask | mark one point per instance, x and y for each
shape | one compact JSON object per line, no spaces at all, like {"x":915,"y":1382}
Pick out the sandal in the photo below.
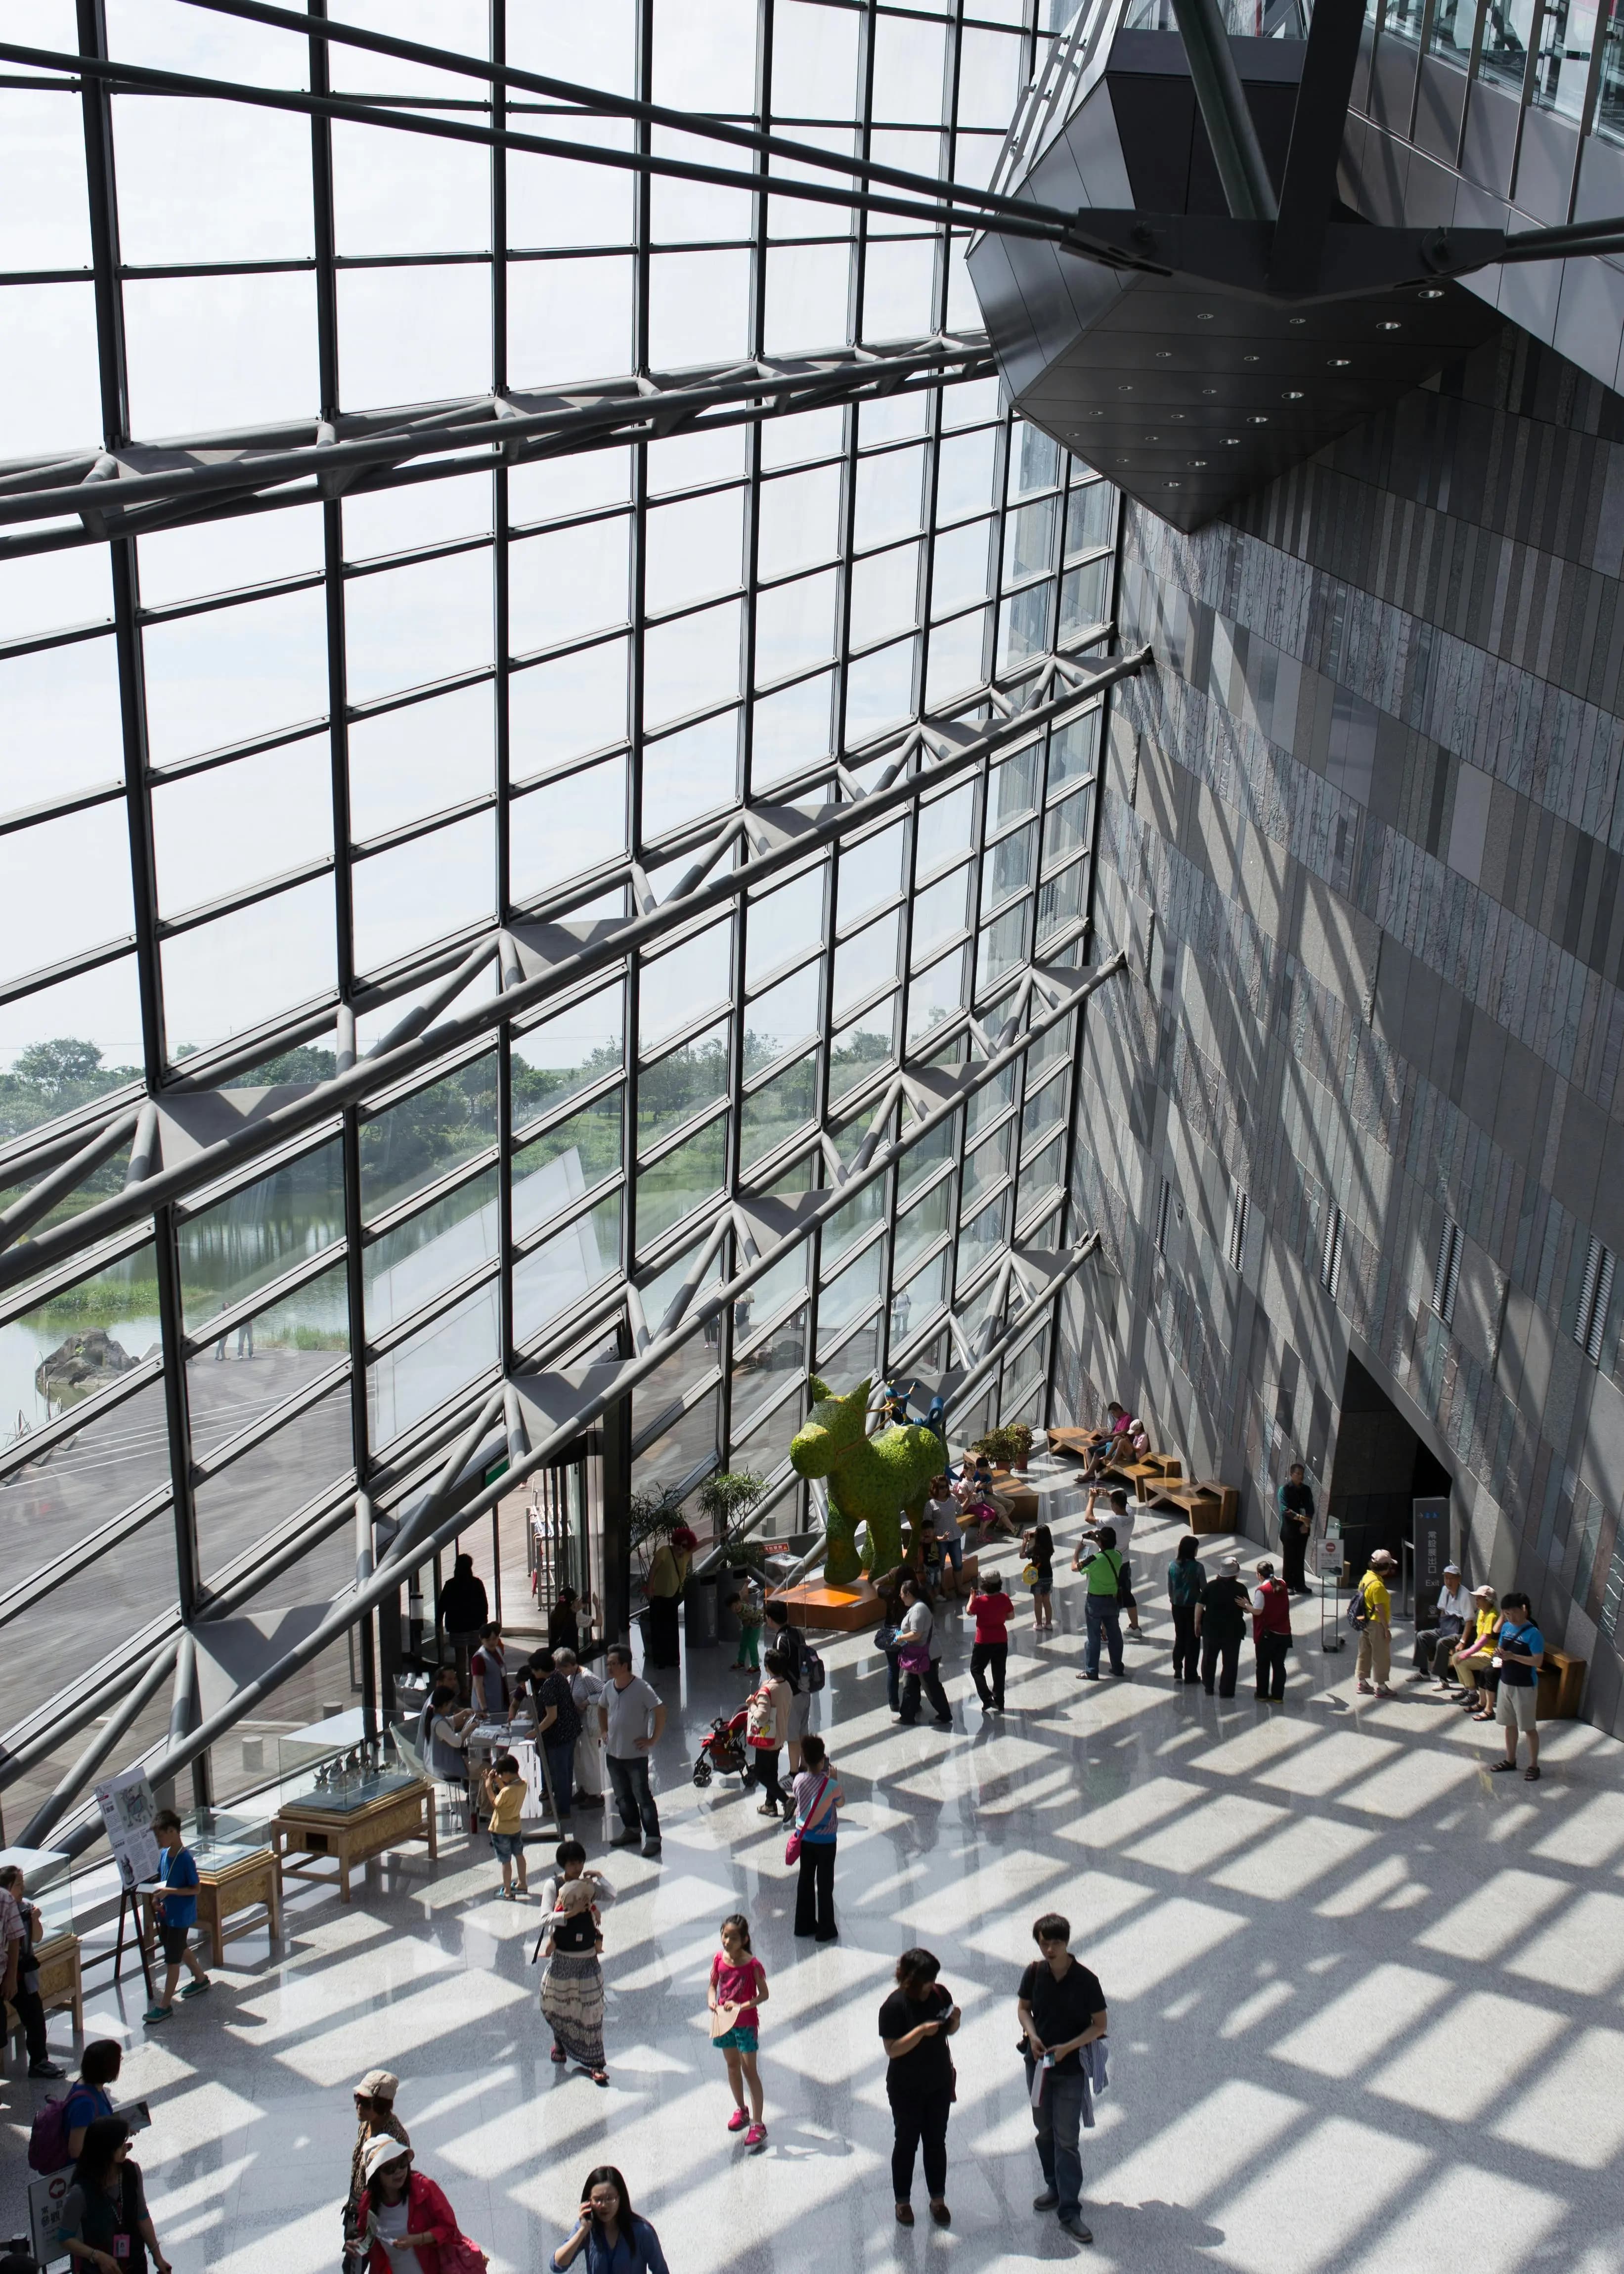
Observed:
{"x":1502,"y":1768}
{"x":559,"y":2054}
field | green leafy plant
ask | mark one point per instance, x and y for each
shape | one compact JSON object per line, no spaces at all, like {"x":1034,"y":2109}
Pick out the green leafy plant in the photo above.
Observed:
{"x":1006,"y":1448}
{"x":729,"y":1499}
{"x":655,"y":1512}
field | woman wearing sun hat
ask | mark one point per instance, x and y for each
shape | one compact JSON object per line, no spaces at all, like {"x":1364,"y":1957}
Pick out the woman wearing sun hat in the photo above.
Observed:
{"x":375,"y":2119}
{"x":405,"y":2219}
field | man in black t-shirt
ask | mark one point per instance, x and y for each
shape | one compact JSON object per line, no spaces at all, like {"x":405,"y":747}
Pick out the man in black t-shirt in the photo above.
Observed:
{"x":1062,"y":2010}
{"x":1221,"y":1622}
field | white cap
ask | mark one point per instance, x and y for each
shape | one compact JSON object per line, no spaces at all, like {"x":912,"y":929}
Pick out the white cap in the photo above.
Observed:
{"x":1230,"y":1563}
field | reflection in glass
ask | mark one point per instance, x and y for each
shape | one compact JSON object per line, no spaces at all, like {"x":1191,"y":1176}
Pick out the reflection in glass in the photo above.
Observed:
{"x":924,"y":1294}
{"x":567,"y":1053}
{"x":1007,"y":867}
{"x":787,"y":1014}
{"x":778,"y":1109}
{"x":676,"y":1087}
{"x":259,"y":1232}
{"x":678,"y":1183}
{"x":677,"y":986}
{"x":857,"y":1049}
{"x":407,"y":1384}
{"x":1002,"y":946}
{"x":557,"y":1273}
{"x":427,"y":1135}
{"x":429,"y":1253}
{"x":236,"y":1507}
{"x":1507,"y":28}
{"x":867,"y":960}
{"x":935,"y":996}
{"x":844,"y":1299}
{"x":564,"y":1164}
{"x":1089,"y":515}
{"x":1074,"y":748}
{"x":921,"y":1225}
{"x":765,"y":1447}
{"x":762,"y":1374}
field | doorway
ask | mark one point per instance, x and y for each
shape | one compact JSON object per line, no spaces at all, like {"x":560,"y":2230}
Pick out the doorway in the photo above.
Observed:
{"x":1381,"y":1466}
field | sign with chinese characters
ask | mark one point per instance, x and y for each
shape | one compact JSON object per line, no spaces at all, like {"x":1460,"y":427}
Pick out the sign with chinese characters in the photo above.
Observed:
{"x":127,"y":1808}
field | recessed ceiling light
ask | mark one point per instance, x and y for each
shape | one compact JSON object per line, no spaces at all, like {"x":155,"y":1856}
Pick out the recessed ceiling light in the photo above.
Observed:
{"x":1389,"y":324}
{"x":1432,"y":292}
{"x":1299,"y":319}
{"x":1251,"y":358}
{"x":1231,"y":442}
{"x":1127,"y":389}
{"x":1205,"y":316}
{"x":1209,"y":390}
{"x":1340,"y":363}
{"x":1258,"y":418}
{"x":1164,"y":354}
{"x":1292,"y":395}
{"x":1198,"y":462}
{"x":1175,"y":486}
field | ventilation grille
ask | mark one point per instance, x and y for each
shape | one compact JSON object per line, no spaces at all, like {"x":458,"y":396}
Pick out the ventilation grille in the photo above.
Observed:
{"x":1594,"y":1296}
{"x":1331,"y":1253}
{"x":1240,"y":1215}
{"x":1447,"y":1278}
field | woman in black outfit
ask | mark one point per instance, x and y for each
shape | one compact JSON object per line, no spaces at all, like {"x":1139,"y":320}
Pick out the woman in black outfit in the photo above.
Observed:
{"x":916,"y":2022}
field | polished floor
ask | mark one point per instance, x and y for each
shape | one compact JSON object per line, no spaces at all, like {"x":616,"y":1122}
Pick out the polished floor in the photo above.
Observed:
{"x":1365,"y":1998}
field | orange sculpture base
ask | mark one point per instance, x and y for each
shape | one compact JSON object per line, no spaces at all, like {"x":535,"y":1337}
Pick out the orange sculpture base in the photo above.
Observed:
{"x":845,"y":1610}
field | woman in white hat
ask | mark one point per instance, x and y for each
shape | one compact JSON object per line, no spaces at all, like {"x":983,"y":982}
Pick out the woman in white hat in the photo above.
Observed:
{"x":375,"y":2119}
{"x":405,"y":2219}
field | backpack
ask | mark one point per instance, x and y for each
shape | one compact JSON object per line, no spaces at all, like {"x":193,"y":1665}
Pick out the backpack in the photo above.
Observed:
{"x":814,"y":1673}
{"x":47,"y":2137}
{"x":1358,"y":1609}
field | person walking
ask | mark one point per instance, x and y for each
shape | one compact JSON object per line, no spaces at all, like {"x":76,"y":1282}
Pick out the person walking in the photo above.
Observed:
{"x":1186,"y":1577}
{"x":375,"y":2119}
{"x":559,"y":1728}
{"x":1375,"y":1661}
{"x":782,"y":1635}
{"x":817,"y":1799}
{"x":20,"y":1935}
{"x":1518,"y":1650}
{"x":1062,"y":2011}
{"x":1039,"y":1547}
{"x":572,"y":1941}
{"x":766,"y":1727}
{"x":463,"y":1612}
{"x":943,"y":1511}
{"x":176,"y":1909}
{"x":667,"y":1578}
{"x":916,"y":1655}
{"x":1452,"y":1614}
{"x":1101,"y":1605}
{"x":505,"y":1794}
{"x":632,"y":1719}
{"x":1271,"y":1632}
{"x":87,"y":2096}
{"x":916,"y":2021}
{"x":403,"y":2211}
{"x":888,"y":1634}
{"x":103,"y":2221}
{"x":614,"y":2239}
{"x":738,"y":1992}
{"x":992,"y":1610}
{"x":1221,"y":1619}
{"x":1293,"y":1506}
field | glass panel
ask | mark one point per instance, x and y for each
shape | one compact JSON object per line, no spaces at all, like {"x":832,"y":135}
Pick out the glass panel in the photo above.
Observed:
{"x":1009,"y":866}
{"x":1085,"y":596}
{"x":692,"y":663}
{"x":936,"y":994}
{"x":423,"y":1374}
{"x":784,"y":923}
{"x":403,"y":627}
{"x":890,"y":496}
{"x":411,"y":895}
{"x":286,"y":1345}
{"x":799,"y":526}
{"x":978,"y":1240}
{"x":1507,"y":31}
{"x":1023,"y":623}
{"x":784,"y":1016}
{"x":1002,"y":946}
{"x":921,"y":1225}
{"x":564,"y":1269}
{"x":568,"y":582}
{"x":849,"y":1295}
{"x":573,"y":1156}
{"x":427,"y":1135}
{"x":924,"y":1294}
{"x":236,"y":1509}
{"x":961,"y":568}
{"x":679,"y":1182}
{"x":869,"y":874}
{"x":867,"y":960}
{"x":765,"y":1447}
{"x":566,"y":708}
{"x":408,"y":764}
{"x":694,"y":549}
{"x":858,"y":1361}
{"x":944,"y":830}
{"x":993,"y":1098}
{"x":1034,"y":461}
{"x":676,"y":1087}
{"x":240,"y":672}
{"x":793,"y":729}
{"x":256,"y":1234}
{"x":1063,"y":901}
{"x":857,"y":1218}
{"x":62,"y":722}
{"x":790,"y":1276}
{"x":567,"y":829}
{"x":1029,"y":540}
{"x":691,"y":773}
{"x":230,"y":977}
{"x":987,"y":1164}
{"x":1043,"y":1172}
{"x":675,"y":989}
{"x":1567,"y":37}
{"x":1074,"y":749}
{"x":924,"y":1158}
{"x":885,"y":594}
{"x":1067,"y":826}
{"x":40,"y":922}
{"x":780,"y":1106}
{"x":416,"y":1262}
{"x":763,"y":1373}
{"x":857,"y":1049}
{"x":795,"y":626}
{"x":682,"y":1448}
{"x":1089,"y":516}
{"x":564,"y":1054}
{"x":940,"y":911}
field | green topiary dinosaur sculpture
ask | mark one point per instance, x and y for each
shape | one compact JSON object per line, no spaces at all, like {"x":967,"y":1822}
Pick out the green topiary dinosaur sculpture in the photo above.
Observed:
{"x":872,"y":1480}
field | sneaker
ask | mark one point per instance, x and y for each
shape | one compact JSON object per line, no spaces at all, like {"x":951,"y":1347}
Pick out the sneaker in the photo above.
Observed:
{"x":198,"y":1989}
{"x":1363,"y":1687}
{"x":737,"y":2121}
{"x":1049,"y":2199}
{"x":757,"y":2136}
{"x":1382,"y":1690}
{"x":651,"y":1847}
{"x":45,"y":2069}
{"x":155,"y":2013}
{"x":626,"y":1840}
{"x":1075,"y":2228}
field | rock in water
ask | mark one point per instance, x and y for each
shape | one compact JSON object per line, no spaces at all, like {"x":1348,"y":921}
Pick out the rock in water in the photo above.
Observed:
{"x":80,"y":1366}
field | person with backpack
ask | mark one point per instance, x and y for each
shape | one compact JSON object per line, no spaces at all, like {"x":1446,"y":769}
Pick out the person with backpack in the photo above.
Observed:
{"x":818,"y":1798}
{"x":1186,"y":1577}
{"x":1370,"y":1613}
{"x":88,"y":2097}
{"x":916,"y":1656}
{"x":19,"y":1934}
{"x":766,"y":1727}
{"x":105,"y":2223}
{"x":1221,"y":1619}
{"x":1103,"y":1605}
{"x":805,"y":1673}
{"x":1271,"y":1632}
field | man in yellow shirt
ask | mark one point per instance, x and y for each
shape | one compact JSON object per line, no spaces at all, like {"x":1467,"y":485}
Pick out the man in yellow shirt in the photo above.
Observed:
{"x":1375,"y":1659}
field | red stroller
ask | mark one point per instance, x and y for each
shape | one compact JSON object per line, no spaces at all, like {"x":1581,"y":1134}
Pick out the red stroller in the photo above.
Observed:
{"x":723,"y":1748}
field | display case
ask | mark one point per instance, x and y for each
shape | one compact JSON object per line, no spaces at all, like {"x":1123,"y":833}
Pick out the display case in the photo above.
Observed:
{"x":331,"y":1768}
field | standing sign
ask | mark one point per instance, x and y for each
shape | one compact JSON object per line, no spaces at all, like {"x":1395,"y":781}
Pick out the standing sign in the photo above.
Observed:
{"x":127,"y":1808}
{"x":45,"y":2201}
{"x":1328,"y":1549}
{"x":1430,"y":1538}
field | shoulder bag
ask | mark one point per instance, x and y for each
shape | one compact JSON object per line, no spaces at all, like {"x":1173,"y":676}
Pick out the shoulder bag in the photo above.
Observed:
{"x":792,"y":1846}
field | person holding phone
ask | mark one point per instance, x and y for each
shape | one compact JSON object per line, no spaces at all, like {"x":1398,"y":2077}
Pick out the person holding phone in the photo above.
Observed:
{"x":916,"y":2022}
{"x":614,"y":2239}
{"x":1518,"y":1650}
{"x":1062,"y":2010}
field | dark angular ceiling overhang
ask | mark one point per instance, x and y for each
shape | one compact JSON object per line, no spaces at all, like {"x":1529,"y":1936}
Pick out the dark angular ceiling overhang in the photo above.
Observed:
{"x":1203,"y":366}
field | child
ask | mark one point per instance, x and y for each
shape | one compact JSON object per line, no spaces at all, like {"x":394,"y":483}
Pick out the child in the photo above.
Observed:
{"x":752,"y":1617}
{"x":572,"y":1989}
{"x":178,"y":1915}
{"x":737,"y":1993}
{"x":1039,"y":1547}
{"x":504,"y":1792}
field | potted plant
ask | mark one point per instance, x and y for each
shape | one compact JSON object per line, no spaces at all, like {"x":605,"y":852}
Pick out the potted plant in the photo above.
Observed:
{"x":729,"y":1499}
{"x":1009,"y":1447}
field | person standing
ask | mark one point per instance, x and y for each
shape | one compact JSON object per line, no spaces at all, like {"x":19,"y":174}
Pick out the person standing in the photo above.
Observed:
{"x":463,"y":1611}
{"x":1271,"y":1632}
{"x":1517,"y":1651}
{"x":87,"y":2096}
{"x":752,"y":1612}
{"x":559,"y":1727}
{"x":585,"y":1690}
{"x":888,"y":1634}
{"x":1293,"y":1505}
{"x":1221,"y":1619}
{"x":632,"y":1719}
{"x":375,"y":2119}
{"x":614,"y":2239}
{"x":505,"y":1796}
{"x":572,"y":1987}
{"x":943,"y":1511}
{"x":1375,"y":1655}
{"x":1121,"y":1516}
{"x":992,"y":1610}
{"x":786,"y":1638}
{"x":916,"y":1655}
{"x":667,"y":1578}
{"x":916,"y":2021}
{"x":1451,"y":1616}
{"x":401,"y":2210}
{"x":1101,"y":1605}
{"x":176,"y":1909}
{"x":488,"y":1674}
{"x":442,"y":1738}
{"x":19,"y":1938}
{"x":818,"y":1798}
{"x":1186,"y":1578}
{"x":1062,"y":2011}
{"x":105,"y":2221}
{"x":1039,"y":1545}
{"x":766,"y":1727}
{"x":738,"y":1992}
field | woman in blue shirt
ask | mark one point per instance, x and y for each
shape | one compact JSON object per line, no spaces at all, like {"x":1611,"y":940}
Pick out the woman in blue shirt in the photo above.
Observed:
{"x":614,"y":2239}
{"x":87,"y":2096}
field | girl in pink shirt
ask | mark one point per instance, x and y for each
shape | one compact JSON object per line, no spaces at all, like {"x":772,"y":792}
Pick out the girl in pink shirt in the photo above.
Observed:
{"x":738,"y":1990}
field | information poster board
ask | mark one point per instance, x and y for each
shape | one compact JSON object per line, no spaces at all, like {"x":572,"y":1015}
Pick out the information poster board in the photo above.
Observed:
{"x":1328,"y":1549}
{"x":45,"y":2201}
{"x":127,"y":1808}
{"x":1430,"y":1538}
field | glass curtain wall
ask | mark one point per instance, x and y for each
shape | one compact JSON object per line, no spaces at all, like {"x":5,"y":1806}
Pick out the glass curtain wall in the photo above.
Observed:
{"x":276,"y":772}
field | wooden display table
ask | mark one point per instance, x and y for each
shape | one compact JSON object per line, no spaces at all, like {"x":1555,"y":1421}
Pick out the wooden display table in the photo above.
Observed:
{"x":1561,"y":1688}
{"x":843,"y":1610}
{"x":392,"y":1820}
{"x":237,"y":1899}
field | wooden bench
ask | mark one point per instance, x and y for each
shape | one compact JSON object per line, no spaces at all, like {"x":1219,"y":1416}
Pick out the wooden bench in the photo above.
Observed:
{"x":1561,"y":1688}
{"x":1144,"y":1476}
{"x":1210,"y":1506}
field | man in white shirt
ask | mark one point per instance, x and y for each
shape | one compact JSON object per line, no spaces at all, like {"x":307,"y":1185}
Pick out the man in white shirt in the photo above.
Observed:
{"x":633,"y":1720}
{"x":1455,"y":1615}
{"x":916,"y":1640}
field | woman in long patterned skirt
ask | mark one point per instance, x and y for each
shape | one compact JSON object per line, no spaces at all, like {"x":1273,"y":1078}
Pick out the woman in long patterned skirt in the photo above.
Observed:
{"x":572,"y":1989}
